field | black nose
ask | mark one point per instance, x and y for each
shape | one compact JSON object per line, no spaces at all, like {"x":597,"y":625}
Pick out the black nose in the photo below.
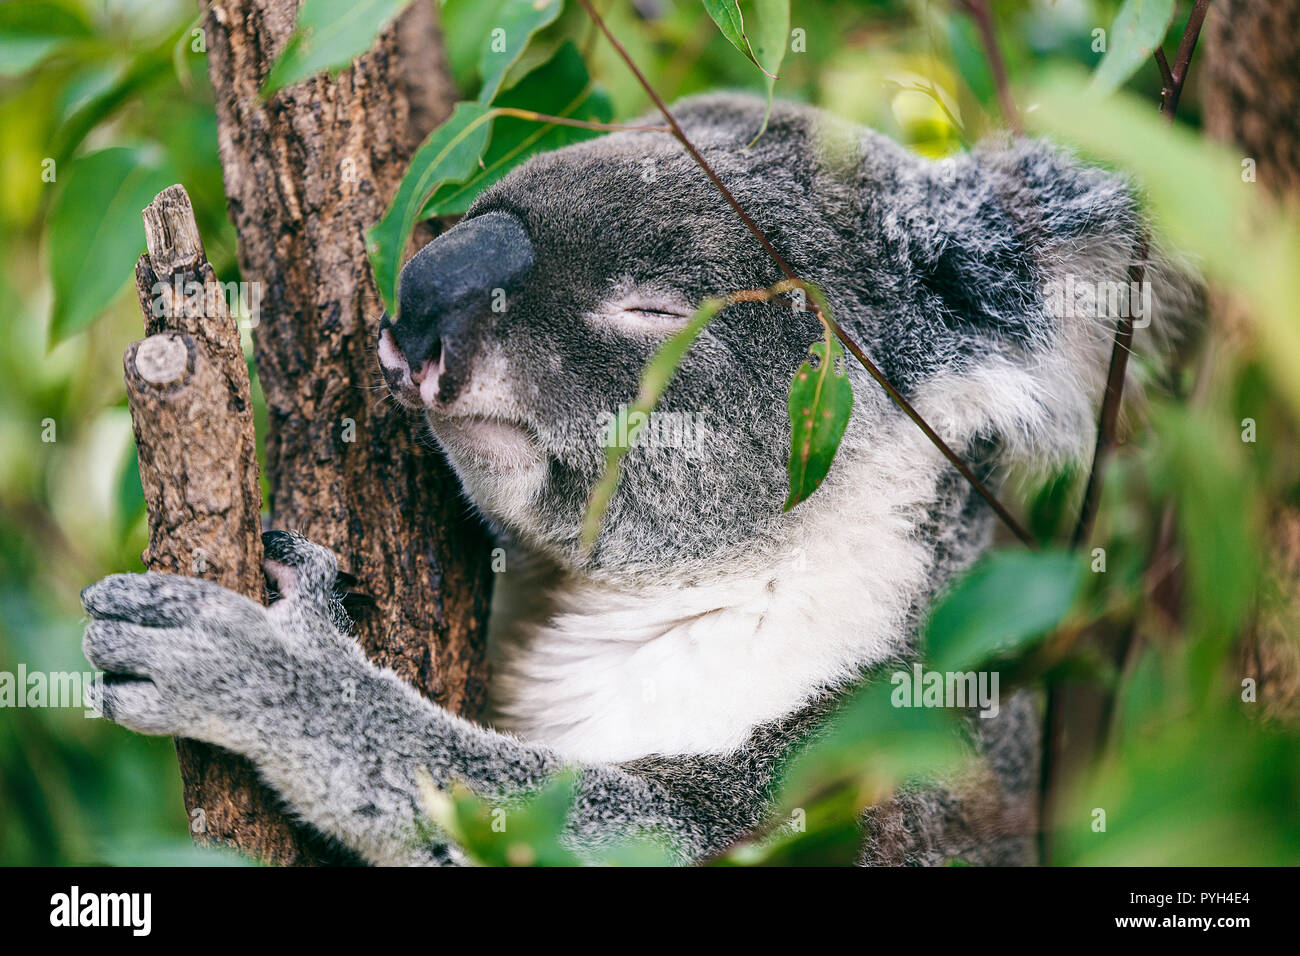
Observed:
{"x":451,"y":286}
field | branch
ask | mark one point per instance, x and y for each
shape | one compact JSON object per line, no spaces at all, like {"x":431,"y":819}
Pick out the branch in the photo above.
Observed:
{"x":830,"y":323}
{"x":1109,"y":415}
{"x":1166,"y":75}
{"x":1110,"y":405}
{"x":983,"y":17}
{"x":1183,"y":58}
{"x":536,"y":117}
{"x":192,"y":412}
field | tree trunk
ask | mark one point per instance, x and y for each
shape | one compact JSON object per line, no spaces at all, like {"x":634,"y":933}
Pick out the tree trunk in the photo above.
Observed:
{"x":1250,"y":85}
{"x":1250,"y":91}
{"x":306,"y":173}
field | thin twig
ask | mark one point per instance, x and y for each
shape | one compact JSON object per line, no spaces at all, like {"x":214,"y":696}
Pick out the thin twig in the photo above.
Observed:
{"x":1110,"y":404}
{"x":983,"y":17}
{"x":834,"y":326}
{"x":1166,"y":75}
{"x":536,"y":117}
{"x":1183,"y":58}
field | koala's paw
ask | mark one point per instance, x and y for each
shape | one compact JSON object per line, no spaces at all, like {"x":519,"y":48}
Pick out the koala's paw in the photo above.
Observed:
{"x":186,"y":657}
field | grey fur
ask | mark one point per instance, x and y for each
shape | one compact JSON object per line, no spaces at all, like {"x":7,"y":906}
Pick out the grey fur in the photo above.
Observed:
{"x":935,"y":268}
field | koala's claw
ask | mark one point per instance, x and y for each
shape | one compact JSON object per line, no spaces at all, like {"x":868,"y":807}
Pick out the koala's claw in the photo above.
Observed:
{"x":305,"y":582}
{"x":300,"y":570}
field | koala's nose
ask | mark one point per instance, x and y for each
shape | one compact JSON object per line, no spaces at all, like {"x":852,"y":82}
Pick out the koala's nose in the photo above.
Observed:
{"x":447,"y":291}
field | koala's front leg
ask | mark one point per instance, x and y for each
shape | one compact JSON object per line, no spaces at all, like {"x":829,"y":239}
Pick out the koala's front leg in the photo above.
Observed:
{"x":342,"y":741}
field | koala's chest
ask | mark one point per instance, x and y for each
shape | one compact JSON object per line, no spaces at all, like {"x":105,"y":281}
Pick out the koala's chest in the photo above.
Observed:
{"x":695,"y":674}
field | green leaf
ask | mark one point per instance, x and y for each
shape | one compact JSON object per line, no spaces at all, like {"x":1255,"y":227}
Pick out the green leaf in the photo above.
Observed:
{"x":465,"y":26}
{"x":95,"y":232}
{"x":130,"y":495}
{"x":523,"y":835}
{"x":655,"y":377}
{"x":969,"y":59}
{"x":726,"y":14}
{"x":450,"y":155}
{"x":531,"y":832}
{"x":1009,"y":599}
{"x":561,"y":87}
{"x":102,"y":97}
{"x":769,"y":32}
{"x":1201,"y":462}
{"x":1138,"y":29}
{"x":329,"y":35}
{"x":519,"y":20}
{"x":821,"y":401}
{"x":825,"y":832}
{"x":30,"y":30}
{"x":871,"y":746}
{"x":1205,"y":784}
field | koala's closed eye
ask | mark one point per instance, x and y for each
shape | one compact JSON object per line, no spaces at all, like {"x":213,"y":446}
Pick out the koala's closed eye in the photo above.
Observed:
{"x":644,"y":313}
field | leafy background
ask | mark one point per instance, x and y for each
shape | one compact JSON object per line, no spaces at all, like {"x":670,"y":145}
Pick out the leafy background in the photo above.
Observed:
{"x":115,"y":93}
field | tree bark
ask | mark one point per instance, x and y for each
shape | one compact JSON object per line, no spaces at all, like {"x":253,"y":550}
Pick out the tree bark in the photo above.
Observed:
{"x":1250,"y":85}
{"x":191,"y":408}
{"x":306,"y":173}
{"x":1250,"y":91}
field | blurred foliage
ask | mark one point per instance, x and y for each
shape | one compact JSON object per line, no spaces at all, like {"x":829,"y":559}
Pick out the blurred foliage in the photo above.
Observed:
{"x":101,"y":102}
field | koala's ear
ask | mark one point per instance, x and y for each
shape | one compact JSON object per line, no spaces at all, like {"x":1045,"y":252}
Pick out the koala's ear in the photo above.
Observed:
{"x":1031,"y":258}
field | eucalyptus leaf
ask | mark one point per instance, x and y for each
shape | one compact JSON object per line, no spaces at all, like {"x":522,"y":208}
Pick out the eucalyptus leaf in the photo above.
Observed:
{"x":531,"y":835}
{"x":1201,"y":461}
{"x":30,"y":30}
{"x":769,"y":34}
{"x":465,"y":25}
{"x":821,"y":401}
{"x":507,"y":38}
{"x":329,"y":35}
{"x":450,"y":155}
{"x":1138,"y":29}
{"x":95,"y":232}
{"x":726,"y":14}
{"x":871,"y":746}
{"x":1005,"y":603}
{"x":561,"y":87}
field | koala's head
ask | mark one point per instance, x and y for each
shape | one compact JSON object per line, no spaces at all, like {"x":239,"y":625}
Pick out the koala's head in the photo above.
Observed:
{"x":523,"y":329}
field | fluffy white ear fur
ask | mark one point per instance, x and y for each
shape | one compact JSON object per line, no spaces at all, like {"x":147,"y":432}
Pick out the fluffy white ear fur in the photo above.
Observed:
{"x":1043,"y":410}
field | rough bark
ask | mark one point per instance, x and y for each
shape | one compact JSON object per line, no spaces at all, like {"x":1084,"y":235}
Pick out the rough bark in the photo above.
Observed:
{"x":188,"y":390}
{"x":306,"y":173}
{"x":1250,"y":85}
{"x":1250,"y":92}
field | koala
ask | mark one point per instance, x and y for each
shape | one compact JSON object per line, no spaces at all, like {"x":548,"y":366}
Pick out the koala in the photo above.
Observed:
{"x":676,"y":664}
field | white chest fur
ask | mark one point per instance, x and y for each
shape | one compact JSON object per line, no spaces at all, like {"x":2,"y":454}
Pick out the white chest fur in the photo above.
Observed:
{"x":600,"y":673}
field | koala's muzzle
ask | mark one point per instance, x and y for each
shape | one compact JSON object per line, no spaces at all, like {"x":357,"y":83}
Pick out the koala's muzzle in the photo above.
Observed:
{"x":447,"y":292}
